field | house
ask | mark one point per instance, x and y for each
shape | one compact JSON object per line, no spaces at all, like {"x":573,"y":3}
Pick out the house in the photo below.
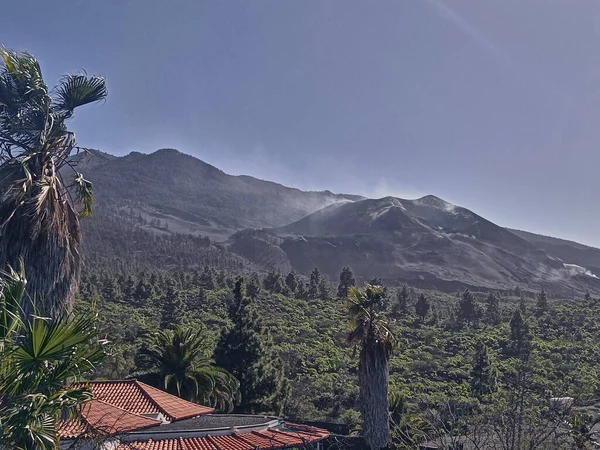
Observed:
{"x":131,"y":415}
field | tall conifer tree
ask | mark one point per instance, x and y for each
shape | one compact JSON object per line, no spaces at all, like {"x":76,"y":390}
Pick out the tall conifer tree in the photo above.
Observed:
{"x":246,"y":350}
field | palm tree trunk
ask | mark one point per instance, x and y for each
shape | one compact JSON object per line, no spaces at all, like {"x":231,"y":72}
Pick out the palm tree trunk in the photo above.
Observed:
{"x":50,"y":253}
{"x":373,"y":377}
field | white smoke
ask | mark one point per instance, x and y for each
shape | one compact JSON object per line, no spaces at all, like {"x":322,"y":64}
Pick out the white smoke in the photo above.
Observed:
{"x":574,"y":269}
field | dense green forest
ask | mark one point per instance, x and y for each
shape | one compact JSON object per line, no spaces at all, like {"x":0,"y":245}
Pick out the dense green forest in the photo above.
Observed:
{"x":453,"y":352}
{"x":437,"y":334}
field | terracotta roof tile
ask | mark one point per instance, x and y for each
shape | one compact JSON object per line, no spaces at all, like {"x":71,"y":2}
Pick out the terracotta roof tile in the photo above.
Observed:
{"x":198,"y":444}
{"x":258,"y":440}
{"x":300,"y":428}
{"x":230,"y":443}
{"x":266,"y":440}
{"x":287,"y":439}
{"x":140,"y":398}
{"x":125,"y":394}
{"x":169,"y":444}
{"x":174,"y":407}
{"x":98,"y":417}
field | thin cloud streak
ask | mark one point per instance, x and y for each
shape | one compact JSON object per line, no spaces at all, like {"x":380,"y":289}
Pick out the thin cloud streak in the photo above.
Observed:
{"x":465,"y":27}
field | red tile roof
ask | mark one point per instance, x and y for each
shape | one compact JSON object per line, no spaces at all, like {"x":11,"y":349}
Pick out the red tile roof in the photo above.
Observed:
{"x":139,"y":398}
{"x":100,"y":418}
{"x":292,"y":436}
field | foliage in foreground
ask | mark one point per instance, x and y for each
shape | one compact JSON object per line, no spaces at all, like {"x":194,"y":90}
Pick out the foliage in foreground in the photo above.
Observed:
{"x":39,"y":209}
{"x":40,"y":358}
{"x":434,"y":366}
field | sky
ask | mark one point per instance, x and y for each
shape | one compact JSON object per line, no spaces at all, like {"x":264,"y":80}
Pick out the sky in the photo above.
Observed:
{"x":491,"y":105}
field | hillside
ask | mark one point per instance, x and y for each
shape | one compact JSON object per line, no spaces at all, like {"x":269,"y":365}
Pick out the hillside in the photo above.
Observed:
{"x":429,"y":242}
{"x":264,"y":225}
{"x":569,"y":251}
{"x":169,"y":189}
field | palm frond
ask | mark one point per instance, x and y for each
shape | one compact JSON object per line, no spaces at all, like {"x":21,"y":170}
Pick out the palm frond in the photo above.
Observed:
{"x":78,"y":90}
{"x":179,"y":357}
{"x":12,"y":290}
{"x":25,"y":73}
{"x":85,"y":195}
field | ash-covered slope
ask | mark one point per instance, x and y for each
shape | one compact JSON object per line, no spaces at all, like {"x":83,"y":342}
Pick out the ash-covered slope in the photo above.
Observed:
{"x":427,"y":241}
{"x":570,"y":252}
{"x":169,"y":190}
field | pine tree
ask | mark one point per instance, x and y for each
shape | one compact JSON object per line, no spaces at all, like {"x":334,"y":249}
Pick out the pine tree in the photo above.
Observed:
{"x":220,"y":279}
{"x":523,"y":307}
{"x":173,"y":309}
{"x":347,"y":280}
{"x":112,"y":291}
{"x":197,"y":301}
{"x":435,"y":316}
{"x":542,"y":303}
{"x":207,"y":279}
{"x":324,"y":289}
{"x":154,"y":281}
{"x":588,"y":297}
{"x":253,"y":287}
{"x":273,"y":283}
{"x":246,"y":350}
{"x":128,"y":289}
{"x":143,"y":292}
{"x":483,"y":373}
{"x":493,"y":315}
{"x":468,"y":311}
{"x":301,"y":290}
{"x":422,"y":307}
{"x":520,"y":340}
{"x":313,"y":287}
{"x":400,"y":307}
{"x":291,"y":281}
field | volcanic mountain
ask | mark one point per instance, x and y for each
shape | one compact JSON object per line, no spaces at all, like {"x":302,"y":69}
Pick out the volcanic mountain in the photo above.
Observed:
{"x":427,"y":241}
{"x":175,"y":192}
{"x":251,"y":222}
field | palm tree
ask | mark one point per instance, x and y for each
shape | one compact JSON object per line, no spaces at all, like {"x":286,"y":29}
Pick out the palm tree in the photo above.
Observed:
{"x":408,"y":430}
{"x":369,"y":331}
{"x":175,"y":360}
{"x":39,"y":209}
{"x":40,"y":358}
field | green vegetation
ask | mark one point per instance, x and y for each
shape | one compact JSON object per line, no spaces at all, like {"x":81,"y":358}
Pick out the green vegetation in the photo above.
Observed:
{"x":435,"y":364}
{"x":39,"y":360}
{"x":175,"y":360}
{"x":246,"y":349}
{"x":40,"y":210}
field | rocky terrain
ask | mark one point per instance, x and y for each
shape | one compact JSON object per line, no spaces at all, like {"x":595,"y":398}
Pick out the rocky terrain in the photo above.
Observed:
{"x":427,"y":241}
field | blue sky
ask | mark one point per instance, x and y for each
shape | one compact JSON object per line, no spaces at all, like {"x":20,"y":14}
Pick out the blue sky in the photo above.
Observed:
{"x":492,"y":105}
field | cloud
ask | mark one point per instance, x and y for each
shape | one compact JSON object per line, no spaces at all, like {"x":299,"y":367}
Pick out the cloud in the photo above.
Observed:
{"x":465,"y":27}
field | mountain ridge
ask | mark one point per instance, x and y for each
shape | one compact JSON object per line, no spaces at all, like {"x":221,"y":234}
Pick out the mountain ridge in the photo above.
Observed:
{"x":197,"y":198}
{"x":424,"y":240}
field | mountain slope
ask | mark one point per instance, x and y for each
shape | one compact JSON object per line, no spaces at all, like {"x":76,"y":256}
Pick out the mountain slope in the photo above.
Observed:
{"x":570,"y":252}
{"x":168,"y":189}
{"x":427,"y":241}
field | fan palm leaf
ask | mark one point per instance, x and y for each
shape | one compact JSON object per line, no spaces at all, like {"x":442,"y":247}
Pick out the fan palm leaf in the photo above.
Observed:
{"x":39,"y":211}
{"x":39,"y":359}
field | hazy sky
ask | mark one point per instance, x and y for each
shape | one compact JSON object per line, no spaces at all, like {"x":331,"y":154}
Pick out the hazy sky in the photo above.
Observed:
{"x":490,"y":104}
